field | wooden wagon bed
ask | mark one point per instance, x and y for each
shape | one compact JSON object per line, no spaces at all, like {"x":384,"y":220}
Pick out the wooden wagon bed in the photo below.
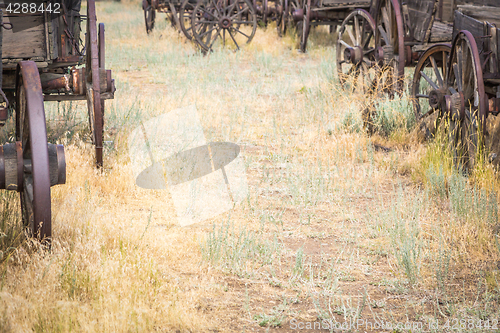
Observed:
{"x":344,"y":4}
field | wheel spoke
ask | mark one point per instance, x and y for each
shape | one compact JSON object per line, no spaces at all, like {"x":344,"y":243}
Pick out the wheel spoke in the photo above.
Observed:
{"x":215,"y":38}
{"x":207,"y":32}
{"x":240,"y":12}
{"x":436,"y":71}
{"x":237,"y":30}
{"x":356,"y":30}
{"x":384,"y":35}
{"x":234,"y":40}
{"x":385,"y":18}
{"x":422,"y":96}
{"x":428,"y":79}
{"x":231,"y":7}
{"x":445,"y":64}
{"x":351,"y":36}
{"x":460,"y":66}
{"x":206,"y":22}
{"x":364,"y":44}
{"x":458,"y":77}
{"x":345,"y":44}
{"x":216,"y":6}
{"x":206,"y":11}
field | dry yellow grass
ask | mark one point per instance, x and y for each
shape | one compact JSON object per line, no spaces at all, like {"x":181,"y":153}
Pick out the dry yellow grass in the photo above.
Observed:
{"x":336,"y":225}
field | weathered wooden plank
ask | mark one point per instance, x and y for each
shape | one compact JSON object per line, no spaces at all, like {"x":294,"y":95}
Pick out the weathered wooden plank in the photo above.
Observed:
{"x":26,"y":39}
{"x":441,"y":32}
{"x":482,"y":13}
{"x":448,"y":10}
{"x":420,"y":15}
{"x":464,"y":22}
{"x":348,"y":3}
{"x":493,"y":3}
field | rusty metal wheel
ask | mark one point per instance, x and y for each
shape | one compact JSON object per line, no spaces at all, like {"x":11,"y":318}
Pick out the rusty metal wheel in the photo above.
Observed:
{"x":230,"y":21}
{"x":465,"y":102}
{"x":306,"y":25}
{"x":93,"y":88}
{"x":429,"y":81}
{"x":389,"y":41}
{"x":185,"y":17}
{"x":31,"y":134}
{"x":149,"y":15}
{"x":356,"y":52}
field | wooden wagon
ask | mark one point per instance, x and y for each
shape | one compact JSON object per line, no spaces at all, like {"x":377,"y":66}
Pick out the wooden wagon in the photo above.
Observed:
{"x":178,"y":12}
{"x":323,"y":12}
{"x":461,"y":82}
{"x":207,"y":21}
{"x":374,"y":46}
{"x":44,"y":60}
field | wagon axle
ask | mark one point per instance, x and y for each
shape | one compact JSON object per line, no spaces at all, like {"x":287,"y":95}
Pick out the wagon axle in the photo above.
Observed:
{"x":225,"y":22}
{"x":354,"y":55}
{"x":13,"y":166}
{"x":76,"y":82}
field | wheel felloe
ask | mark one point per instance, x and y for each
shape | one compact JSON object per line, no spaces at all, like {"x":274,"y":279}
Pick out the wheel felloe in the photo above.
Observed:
{"x":185,"y":14}
{"x":466,"y":101}
{"x":30,"y":157}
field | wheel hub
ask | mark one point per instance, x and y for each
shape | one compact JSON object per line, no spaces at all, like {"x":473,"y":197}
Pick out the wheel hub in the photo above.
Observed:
{"x":436,"y":99}
{"x":354,"y":55}
{"x":298,"y":15}
{"x":225,"y":22}
{"x":455,"y":105}
{"x":384,"y":55}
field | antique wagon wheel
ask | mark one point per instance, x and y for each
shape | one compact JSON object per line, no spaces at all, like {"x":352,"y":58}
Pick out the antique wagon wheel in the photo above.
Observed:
{"x":185,"y":17}
{"x":389,"y":41}
{"x":34,"y":179}
{"x":429,"y":80}
{"x":93,"y":90}
{"x":149,"y":15}
{"x":466,"y":102}
{"x":306,"y":25}
{"x":356,"y":51}
{"x":224,"y":20}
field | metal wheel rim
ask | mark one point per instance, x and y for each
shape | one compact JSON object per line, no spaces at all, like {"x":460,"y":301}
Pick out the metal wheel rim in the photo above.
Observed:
{"x":468,"y":128}
{"x":31,"y":132}
{"x":185,"y":18}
